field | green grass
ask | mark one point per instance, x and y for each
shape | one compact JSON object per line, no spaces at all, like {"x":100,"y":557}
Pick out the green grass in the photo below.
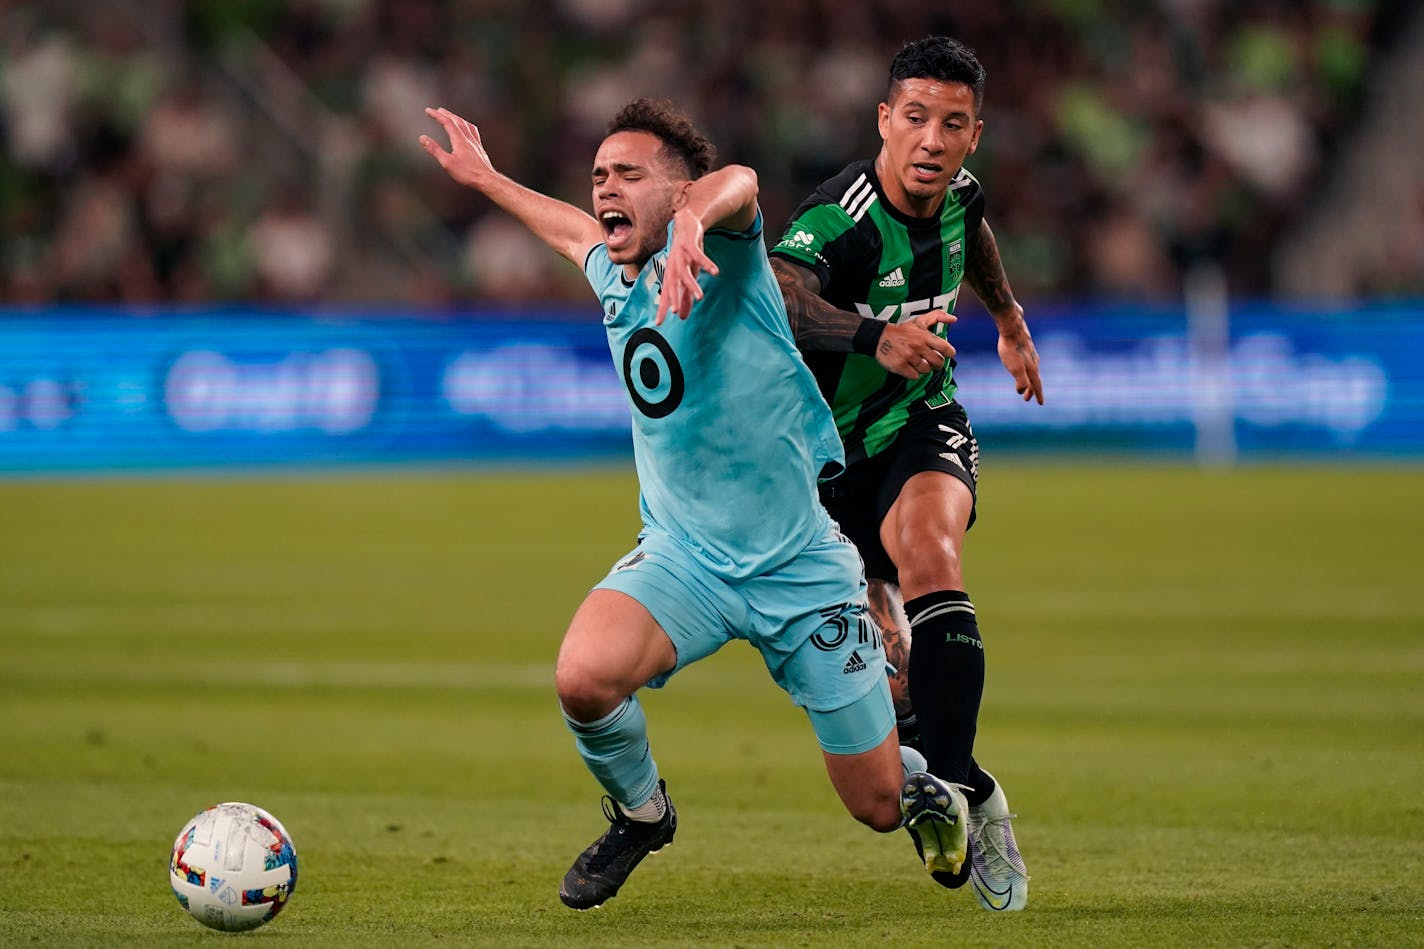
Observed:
{"x":1205,"y":699}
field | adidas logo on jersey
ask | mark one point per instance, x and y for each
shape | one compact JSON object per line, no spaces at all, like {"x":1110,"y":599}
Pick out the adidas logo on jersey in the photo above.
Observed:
{"x":895,"y":278}
{"x":853,"y":664}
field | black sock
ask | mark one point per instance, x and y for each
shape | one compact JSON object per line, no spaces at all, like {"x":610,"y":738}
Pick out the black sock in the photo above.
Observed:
{"x":981,"y":784}
{"x":946,"y":679}
{"x":909,"y":729}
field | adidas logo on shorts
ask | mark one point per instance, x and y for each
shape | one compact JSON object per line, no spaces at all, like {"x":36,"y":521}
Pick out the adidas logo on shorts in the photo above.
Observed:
{"x":853,"y":664}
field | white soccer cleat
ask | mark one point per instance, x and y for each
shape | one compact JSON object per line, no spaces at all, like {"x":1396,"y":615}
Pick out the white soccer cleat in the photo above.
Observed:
{"x":995,"y":867}
{"x":935,"y":813}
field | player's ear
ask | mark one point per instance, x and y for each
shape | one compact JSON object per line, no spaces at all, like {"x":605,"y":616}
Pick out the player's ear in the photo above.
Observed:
{"x":974,"y":142}
{"x":680,"y":198}
{"x":883,"y":120}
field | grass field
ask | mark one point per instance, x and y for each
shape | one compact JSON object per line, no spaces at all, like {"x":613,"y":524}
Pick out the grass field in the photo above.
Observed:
{"x":1205,"y":699}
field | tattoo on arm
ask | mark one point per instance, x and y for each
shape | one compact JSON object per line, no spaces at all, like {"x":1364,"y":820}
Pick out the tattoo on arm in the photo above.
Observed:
{"x":984,"y":272}
{"x":815,"y":324}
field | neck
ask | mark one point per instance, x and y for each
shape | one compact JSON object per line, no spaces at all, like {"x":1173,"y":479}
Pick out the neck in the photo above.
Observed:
{"x":632,"y":269}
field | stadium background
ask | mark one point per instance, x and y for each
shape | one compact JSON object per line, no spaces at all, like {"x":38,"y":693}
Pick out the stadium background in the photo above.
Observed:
{"x":1201,"y":204}
{"x":390,"y":455}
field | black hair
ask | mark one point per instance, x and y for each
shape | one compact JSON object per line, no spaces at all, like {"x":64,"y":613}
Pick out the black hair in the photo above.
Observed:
{"x":942,"y":58}
{"x":680,"y":138}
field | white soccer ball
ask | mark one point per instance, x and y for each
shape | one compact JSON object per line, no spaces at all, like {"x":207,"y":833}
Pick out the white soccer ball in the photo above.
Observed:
{"x":233,"y":867}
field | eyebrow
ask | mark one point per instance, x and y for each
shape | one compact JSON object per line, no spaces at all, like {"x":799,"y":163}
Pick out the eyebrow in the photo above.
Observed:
{"x":619,"y":166}
{"x":917,"y":104}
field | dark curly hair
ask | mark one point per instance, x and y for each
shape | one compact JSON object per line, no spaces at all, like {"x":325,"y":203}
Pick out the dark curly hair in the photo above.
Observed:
{"x":942,"y":58}
{"x":680,"y":138}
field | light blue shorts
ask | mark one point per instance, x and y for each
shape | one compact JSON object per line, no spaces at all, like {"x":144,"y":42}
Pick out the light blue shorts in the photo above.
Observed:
{"x":807,"y":618}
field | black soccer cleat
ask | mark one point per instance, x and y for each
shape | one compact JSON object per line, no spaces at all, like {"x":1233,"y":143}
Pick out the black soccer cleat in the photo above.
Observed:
{"x":954,"y":881}
{"x":602,"y":869}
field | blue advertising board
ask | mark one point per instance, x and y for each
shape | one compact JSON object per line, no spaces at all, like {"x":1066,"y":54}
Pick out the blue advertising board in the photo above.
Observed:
{"x":1285,"y":382}
{"x":111,"y":390}
{"x":115,"y":389}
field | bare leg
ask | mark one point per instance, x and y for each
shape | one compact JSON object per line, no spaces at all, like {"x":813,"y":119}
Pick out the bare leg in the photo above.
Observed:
{"x":613,"y":646}
{"x":869,"y":783}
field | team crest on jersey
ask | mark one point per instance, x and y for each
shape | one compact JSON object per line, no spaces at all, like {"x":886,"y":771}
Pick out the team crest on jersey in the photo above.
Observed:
{"x":954,"y":261}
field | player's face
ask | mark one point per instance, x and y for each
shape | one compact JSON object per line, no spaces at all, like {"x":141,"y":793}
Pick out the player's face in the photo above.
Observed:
{"x":928,"y":127}
{"x":635,"y":191}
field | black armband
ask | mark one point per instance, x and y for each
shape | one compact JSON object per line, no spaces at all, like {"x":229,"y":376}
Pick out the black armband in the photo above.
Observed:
{"x":867,"y":337}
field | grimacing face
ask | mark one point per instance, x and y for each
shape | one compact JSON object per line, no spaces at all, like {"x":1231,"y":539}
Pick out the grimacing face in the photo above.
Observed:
{"x":928,"y":127}
{"x":636,"y":189}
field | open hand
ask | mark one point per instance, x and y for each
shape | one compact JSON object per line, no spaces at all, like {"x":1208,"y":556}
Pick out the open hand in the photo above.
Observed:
{"x":467,"y":161}
{"x":685,"y":261}
{"x":1020,"y":358}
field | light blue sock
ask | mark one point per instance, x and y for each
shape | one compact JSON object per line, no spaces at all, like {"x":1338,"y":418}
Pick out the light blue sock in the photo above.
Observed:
{"x":615,"y":748}
{"x":912,"y":761}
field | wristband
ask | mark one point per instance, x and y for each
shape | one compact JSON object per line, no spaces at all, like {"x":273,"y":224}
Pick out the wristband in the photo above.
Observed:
{"x":867,"y":337}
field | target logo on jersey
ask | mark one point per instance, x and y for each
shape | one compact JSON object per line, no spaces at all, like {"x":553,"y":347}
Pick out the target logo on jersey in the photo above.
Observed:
{"x":652,"y":373}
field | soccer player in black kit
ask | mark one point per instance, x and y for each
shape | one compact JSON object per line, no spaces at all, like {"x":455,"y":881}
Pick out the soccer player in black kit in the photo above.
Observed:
{"x":870,"y":266}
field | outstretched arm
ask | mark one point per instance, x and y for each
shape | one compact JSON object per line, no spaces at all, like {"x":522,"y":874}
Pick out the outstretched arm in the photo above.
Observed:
{"x":726,"y":198}
{"x":984,"y":272}
{"x":566,"y":229}
{"x":907,"y":349}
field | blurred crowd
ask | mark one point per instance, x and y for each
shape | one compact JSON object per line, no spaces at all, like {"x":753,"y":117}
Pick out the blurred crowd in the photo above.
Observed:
{"x":162,"y":150}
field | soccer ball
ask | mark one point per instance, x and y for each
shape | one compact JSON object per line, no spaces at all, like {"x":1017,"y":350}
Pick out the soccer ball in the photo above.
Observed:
{"x":233,"y":867}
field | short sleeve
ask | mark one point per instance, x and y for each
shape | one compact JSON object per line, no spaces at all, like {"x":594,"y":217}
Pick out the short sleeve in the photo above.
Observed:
{"x":808,"y":236}
{"x":600,"y":270}
{"x":741,"y":250}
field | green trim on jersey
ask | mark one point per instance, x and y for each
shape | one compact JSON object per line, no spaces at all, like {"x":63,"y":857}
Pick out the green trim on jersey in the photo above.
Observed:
{"x":819,"y":226}
{"x":874,"y":260}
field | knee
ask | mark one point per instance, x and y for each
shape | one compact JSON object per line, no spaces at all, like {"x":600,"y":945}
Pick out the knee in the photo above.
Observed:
{"x":883,"y":817}
{"x":931,"y":562}
{"x":585,"y":697}
{"x":880,"y":812}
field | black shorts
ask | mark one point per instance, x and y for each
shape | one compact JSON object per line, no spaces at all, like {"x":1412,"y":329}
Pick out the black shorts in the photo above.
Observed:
{"x":938,"y":440}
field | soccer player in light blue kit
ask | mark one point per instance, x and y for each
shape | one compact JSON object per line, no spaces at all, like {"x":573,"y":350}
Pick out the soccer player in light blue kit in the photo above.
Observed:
{"x":730,"y":436}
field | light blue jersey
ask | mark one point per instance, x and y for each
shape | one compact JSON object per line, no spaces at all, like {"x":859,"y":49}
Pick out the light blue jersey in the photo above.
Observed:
{"x":730,"y":433}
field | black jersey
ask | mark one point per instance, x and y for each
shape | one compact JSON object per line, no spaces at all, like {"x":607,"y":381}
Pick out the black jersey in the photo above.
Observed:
{"x":880,"y":263}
